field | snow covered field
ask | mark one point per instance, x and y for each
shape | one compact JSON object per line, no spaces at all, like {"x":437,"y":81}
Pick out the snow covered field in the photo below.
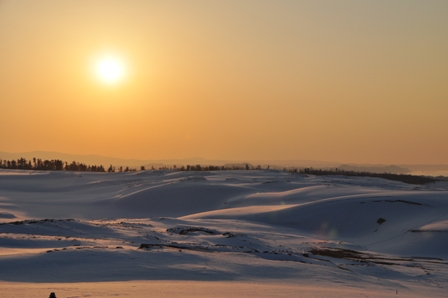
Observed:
{"x":220,"y":234}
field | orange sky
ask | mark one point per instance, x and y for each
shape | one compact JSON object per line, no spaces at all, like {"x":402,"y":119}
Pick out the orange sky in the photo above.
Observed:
{"x":348,"y":81}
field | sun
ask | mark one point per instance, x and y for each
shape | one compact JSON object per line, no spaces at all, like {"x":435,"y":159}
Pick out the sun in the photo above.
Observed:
{"x":110,"y":70}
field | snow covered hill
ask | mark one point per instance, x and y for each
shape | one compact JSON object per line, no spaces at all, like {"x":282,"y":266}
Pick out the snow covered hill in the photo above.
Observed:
{"x":297,"y":232}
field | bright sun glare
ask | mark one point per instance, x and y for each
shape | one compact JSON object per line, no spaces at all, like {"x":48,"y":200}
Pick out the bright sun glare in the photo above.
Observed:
{"x":110,"y":70}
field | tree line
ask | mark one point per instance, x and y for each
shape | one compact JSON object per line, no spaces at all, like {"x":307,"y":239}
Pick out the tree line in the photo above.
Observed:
{"x":48,"y":165}
{"x":218,"y":168}
{"x":59,"y":165}
{"x":406,"y":178}
{"x":38,"y":164}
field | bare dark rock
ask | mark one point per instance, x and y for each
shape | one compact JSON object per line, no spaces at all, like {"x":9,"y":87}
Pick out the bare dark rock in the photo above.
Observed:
{"x":187,"y":230}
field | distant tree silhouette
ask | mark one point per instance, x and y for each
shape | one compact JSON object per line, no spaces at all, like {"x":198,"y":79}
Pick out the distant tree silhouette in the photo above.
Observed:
{"x":48,"y":165}
{"x":410,"y":179}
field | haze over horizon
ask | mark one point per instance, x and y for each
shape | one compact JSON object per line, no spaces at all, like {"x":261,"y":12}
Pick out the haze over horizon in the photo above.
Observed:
{"x":344,"y":81}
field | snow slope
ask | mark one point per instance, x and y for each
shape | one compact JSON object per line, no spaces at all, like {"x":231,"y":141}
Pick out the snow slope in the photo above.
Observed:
{"x":299,"y":233}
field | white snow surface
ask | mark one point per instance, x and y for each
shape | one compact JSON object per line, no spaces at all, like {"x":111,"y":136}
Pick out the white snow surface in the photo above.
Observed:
{"x":209,"y":233}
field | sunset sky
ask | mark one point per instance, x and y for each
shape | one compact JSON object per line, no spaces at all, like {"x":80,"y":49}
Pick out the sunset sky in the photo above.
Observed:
{"x":348,"y":81}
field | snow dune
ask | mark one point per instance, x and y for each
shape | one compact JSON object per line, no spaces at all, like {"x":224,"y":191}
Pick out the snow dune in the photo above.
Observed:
{"x":299,"y":233}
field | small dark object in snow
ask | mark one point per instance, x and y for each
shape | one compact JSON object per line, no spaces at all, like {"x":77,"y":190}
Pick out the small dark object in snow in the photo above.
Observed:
{"x":52,"y":295}
{"x":380,"y":220}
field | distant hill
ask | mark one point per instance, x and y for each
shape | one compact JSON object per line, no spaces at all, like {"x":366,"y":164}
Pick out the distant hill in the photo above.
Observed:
{"x":432,"y":170}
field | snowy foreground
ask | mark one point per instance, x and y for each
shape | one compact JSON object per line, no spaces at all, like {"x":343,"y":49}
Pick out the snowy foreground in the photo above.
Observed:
{"x":220,"y":234}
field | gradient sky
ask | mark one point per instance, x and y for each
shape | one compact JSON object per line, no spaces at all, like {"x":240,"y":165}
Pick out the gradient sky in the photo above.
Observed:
{"x":348,"y":81}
